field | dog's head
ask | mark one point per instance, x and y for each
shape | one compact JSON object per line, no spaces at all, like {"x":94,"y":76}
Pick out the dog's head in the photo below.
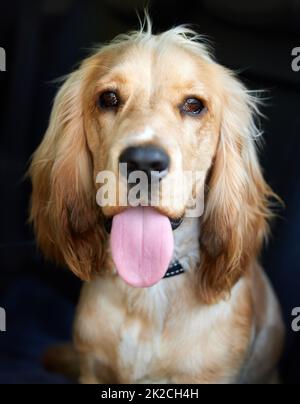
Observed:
{"x":157,"y":103}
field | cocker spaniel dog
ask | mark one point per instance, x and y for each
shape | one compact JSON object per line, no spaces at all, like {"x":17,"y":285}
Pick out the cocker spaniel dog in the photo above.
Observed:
{"x":167,"y":298}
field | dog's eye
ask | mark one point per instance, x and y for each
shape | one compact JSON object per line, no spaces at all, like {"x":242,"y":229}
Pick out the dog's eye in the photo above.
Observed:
{"x":109,"y":100}
{"x":192,"y":106}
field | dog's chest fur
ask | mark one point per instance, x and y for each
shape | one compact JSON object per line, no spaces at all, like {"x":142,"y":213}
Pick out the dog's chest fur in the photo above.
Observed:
{"x":160,"y":337}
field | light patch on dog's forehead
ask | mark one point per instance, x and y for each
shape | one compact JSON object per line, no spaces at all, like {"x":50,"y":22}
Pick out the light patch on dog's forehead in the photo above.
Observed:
{"x":156,"y":64}
{"x":143,"y":136}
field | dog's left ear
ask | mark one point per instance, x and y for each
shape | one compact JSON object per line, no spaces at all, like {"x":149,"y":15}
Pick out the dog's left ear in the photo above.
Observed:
{"x":234,"y":224}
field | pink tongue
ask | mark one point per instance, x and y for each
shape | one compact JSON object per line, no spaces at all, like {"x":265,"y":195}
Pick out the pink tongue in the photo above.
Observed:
{"x":142,"y":245}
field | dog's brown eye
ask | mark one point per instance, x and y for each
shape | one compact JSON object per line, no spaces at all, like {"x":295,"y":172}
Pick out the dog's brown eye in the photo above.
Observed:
{"x":192,"y":106}
{"x":109,"y":100}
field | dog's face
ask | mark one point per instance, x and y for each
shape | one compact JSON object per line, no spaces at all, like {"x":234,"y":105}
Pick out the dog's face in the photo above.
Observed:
{"x":156,"y":103}
{"x":163,"y":103}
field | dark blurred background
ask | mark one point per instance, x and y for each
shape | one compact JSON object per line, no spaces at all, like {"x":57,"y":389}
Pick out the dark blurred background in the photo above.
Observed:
{"x":45,"y":39}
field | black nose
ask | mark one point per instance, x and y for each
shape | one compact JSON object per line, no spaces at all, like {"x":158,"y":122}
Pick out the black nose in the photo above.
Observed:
{"x":146,"y":159}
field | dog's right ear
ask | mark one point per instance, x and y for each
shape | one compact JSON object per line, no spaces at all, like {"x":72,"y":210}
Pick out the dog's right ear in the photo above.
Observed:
{"x":235,"y":222}
{"x":64,"y":212}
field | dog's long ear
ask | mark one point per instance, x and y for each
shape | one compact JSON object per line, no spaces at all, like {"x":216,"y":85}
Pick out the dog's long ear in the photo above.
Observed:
{"x":235,"y":220}
{"x":63,"y":207}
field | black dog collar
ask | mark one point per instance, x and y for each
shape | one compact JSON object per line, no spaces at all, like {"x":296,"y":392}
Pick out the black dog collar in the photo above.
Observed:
{"x":174,"y":269}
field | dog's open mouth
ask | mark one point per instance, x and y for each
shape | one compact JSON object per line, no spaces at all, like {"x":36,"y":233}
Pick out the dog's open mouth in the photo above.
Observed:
{"x":142,"y":243}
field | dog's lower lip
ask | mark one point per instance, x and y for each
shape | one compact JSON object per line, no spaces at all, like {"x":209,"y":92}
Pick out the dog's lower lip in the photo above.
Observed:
{"x":175,"y":223}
